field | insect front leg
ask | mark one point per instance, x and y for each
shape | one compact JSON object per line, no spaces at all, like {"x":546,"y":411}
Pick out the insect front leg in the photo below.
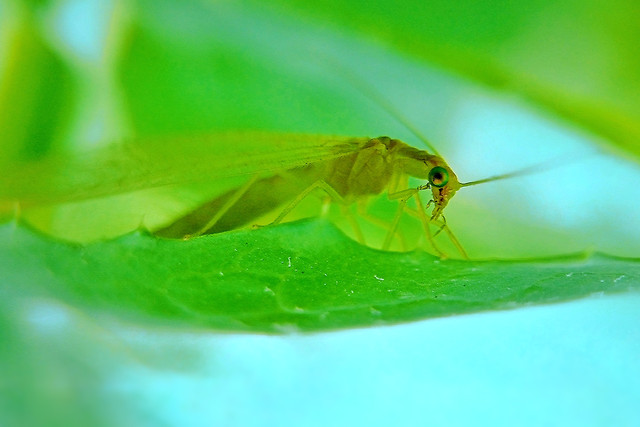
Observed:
{"x":453,"y":239}
{"x":442,"y":224}
{"x":425,"y":225}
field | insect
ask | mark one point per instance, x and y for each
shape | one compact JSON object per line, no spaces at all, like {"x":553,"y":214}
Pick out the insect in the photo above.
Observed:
{"x":356,"y":169}
{"x":362,"y":168}
{"x":283,"y":169}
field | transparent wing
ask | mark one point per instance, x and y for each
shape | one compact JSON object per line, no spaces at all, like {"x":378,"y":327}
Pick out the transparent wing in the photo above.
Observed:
{"x":142,"y":164}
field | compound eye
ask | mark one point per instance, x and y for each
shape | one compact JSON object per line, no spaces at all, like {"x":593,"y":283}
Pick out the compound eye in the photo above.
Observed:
{"x":438,"y":176}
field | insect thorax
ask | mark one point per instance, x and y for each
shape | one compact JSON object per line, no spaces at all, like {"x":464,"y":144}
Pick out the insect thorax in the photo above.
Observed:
{"x":365,"y":172}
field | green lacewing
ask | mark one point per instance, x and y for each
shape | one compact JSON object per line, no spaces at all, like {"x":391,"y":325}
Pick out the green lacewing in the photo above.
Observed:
{"x":282,"y":169}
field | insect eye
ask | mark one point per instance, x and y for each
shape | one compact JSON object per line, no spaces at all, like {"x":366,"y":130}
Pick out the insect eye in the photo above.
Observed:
{"x":438,"y":176}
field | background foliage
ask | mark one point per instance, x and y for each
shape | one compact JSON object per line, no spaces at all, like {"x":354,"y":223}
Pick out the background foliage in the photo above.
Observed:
{"x":494,"y":86}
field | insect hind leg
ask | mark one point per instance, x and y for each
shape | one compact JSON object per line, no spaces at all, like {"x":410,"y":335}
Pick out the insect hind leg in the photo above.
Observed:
{"x":225,"y":208}
{"x":385,"y":225}
{"x":392,"y":230}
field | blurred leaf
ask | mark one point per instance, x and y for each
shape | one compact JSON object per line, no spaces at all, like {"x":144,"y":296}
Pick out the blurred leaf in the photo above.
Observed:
{"x":186,"y":69}
{"x":577,"y":59}
{"x":238,"y":65}
{"x":224,"y":66}
{"x":36,"y":93}
{"x":304,"y":276}
{"x":53,"y":374}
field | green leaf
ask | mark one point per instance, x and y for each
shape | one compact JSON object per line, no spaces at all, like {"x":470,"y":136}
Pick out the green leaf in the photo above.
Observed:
{"x":303,"y":276}
{"x":202,"y":72}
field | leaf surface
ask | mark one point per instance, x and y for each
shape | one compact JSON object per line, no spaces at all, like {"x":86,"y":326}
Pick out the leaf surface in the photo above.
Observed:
{"x":304,"y":276}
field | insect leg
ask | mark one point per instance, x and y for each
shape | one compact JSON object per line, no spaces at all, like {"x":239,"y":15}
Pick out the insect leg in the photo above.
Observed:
{"x":425,"y":225}
{"x":354,"y":224}
{"x":333,"y":195}
{"x":454,"y":240}
{"x":394,"y":224}
{"x":362,"y":211}
{"x":225,"y":208}
{"x":442,"y":226}
{"x":404,"y":196}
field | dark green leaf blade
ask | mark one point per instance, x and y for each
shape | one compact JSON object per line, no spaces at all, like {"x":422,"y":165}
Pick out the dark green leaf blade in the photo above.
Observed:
{"x":303,"y":276}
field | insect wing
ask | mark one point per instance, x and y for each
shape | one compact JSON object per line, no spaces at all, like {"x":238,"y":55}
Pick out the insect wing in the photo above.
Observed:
{"x":143,"y":164}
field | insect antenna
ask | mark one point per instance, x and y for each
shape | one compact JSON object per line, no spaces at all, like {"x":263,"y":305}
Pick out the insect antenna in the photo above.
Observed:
{"x":377,"y":98}
{"x":530,"y":170}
